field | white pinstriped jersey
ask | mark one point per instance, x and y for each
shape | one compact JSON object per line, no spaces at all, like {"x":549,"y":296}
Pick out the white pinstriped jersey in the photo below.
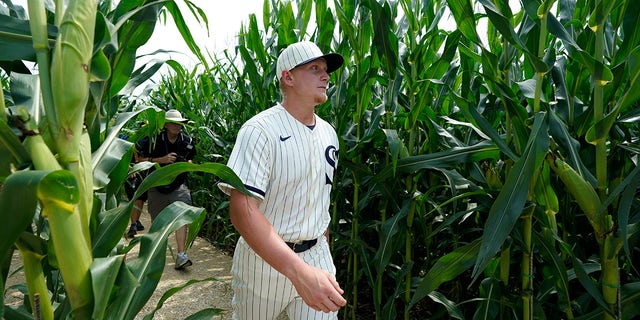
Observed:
{"x":290,"y":167}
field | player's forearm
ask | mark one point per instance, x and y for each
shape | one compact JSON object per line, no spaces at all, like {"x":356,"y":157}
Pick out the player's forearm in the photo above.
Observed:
{"x":261,"y":236}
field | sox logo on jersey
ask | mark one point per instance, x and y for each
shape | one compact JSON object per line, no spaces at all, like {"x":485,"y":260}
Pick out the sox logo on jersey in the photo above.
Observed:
{"x":331,"y":154}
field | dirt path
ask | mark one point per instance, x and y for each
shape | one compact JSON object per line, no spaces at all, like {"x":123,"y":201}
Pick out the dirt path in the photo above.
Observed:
{"x":208,"y":261}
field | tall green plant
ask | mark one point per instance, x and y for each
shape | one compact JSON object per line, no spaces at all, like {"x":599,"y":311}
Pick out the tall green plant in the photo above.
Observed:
{"x":454,"y":145}
{"x":60,"y":184}
{"x":468,"y":183}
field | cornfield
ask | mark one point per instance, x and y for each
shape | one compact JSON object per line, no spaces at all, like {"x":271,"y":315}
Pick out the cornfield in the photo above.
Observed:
{"x":485,"y":171}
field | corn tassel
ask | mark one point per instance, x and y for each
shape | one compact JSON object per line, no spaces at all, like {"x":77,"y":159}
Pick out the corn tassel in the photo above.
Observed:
{"x":70,"y":75}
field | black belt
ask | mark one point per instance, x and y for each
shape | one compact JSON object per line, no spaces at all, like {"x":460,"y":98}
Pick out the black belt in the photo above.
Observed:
{"x":302,"y":246}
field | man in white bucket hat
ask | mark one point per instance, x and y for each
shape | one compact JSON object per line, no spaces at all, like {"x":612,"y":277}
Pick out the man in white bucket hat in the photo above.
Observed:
{"x":286,"y":156}
{"x":170,"y":146}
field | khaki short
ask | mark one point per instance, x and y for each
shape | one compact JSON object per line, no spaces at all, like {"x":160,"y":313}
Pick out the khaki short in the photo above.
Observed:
{"x":158,"y":200}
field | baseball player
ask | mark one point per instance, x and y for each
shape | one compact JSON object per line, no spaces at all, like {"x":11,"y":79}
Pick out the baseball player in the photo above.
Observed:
{"x":286,"y":156}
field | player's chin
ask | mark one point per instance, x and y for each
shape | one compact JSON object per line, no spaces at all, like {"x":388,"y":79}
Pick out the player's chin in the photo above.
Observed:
{"x":321,"y":99}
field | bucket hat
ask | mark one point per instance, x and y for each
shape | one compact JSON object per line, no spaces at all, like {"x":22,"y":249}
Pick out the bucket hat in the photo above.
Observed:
{"x":174,"y":116}
{"x":304,"y":52}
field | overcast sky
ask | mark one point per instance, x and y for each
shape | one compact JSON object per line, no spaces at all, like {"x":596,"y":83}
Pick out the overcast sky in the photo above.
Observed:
{"x":225,"y":18}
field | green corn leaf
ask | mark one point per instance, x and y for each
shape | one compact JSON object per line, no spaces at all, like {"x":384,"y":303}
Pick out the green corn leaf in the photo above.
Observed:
{"x":446,"y":268}
{"x":100,"y":67}
{"x":546,"y":247}
{"x":589,"y":285}
{"x":462,"y":11}
{"x":597,"y":69}
{"x":18,"y":202}
{"x":395,"y":145}
{"x":451,"y":157}
{"x":176,"y":14}
{"x":15,"y":39}
{"x":510,"y":202}
{"x":14,"y":153}
{"x":484,"y":125}
{"x":112,"y":136}
{"x":287,"y":22}
{"x":205,"y":314}
{"x":113,"y":222}
{"x":569,"y":145}
{"x":545,"y":7}
{"x":167,"y":294}
{"x":104,"y":273}
{"x":326,"y":32}
{"x":451,"y":306}
{"x":385,"y":40}
{"x":630,"y":300}
{"x":391,"y":238}
{"x":503,"y":25}
{"x":148,"y":266}
{"x":601,"y":13}
{"x":631,"y":31}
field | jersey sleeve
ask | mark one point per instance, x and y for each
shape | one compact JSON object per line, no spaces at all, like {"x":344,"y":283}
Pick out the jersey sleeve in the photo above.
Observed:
{"x":251,"y":160}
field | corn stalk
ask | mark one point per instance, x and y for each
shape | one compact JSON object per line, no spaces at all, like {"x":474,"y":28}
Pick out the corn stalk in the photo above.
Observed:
{"x":61,"y":171}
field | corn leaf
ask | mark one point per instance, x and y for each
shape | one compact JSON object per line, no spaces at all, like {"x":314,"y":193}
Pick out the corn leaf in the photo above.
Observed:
{"x":209,"y":312}
{"x":18,"y":202}
{"x":462,"y":12}
{"x":13,"y":151}
{"x":509,"y":204}
{"x":148,"y":266}
{"x":446,"y":268}
{"x":104,"y":273}
{"x":391,"y":238}
{"x":555,"y":265}
{"x":385,"y":40}
{"x":15,"y":39}
{"x":444,"y":159}
{"x":113,"y":222}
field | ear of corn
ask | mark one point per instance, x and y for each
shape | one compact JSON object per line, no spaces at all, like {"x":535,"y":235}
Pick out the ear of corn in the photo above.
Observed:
{"x":583,"y":192}
{"x":70,"y":75}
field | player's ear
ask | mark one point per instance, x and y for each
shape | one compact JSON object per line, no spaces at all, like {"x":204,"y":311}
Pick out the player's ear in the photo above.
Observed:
{"x":287,"y":76}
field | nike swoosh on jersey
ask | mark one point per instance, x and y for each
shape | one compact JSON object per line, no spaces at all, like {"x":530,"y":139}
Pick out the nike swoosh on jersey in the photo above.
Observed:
{"x":284,"y":138}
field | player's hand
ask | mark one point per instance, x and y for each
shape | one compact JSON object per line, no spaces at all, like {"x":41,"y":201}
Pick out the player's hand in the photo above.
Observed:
{"x":319,"y":290}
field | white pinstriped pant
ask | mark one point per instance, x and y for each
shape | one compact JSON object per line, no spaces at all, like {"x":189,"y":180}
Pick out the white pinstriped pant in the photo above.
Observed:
{"x":261,"y":292}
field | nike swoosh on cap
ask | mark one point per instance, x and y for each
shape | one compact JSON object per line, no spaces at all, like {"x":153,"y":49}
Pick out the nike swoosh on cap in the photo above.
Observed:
{"x":284,"y":138}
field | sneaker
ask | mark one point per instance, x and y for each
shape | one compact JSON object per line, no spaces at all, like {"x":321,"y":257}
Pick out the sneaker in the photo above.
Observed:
{"x":182,"y":261}
{"x":139,"y":226}
{"x":132,"y":231}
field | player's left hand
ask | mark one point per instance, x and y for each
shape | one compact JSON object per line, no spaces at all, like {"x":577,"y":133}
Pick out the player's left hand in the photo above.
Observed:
{"x":319,"y":289}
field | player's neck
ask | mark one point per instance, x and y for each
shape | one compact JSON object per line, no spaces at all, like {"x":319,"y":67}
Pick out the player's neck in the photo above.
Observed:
{"x":303,"y":114}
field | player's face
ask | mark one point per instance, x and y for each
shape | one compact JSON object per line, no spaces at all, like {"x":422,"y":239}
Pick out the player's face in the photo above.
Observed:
{"x":312,"y":79}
